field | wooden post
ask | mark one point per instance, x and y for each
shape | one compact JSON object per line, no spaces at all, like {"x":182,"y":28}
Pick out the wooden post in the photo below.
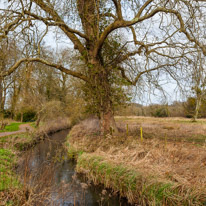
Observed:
{"x":141,"y":133}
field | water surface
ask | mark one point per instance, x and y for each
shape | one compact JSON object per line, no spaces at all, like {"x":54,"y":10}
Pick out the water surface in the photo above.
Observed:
{"x":47,"y":170}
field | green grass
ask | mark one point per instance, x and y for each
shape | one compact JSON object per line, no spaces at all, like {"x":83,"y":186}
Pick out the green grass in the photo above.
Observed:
{"x":72,"y":153}
{"x":200,"y":139}
{"x":138,"y":187}
{"x":9,"y":183}
{"x":7,"y":177}
{"x":11,"y":127}
{"x":11,"y":190}
{"x":4,"y":139}
{"x":10,"y":140}
{"x":16,"y":142}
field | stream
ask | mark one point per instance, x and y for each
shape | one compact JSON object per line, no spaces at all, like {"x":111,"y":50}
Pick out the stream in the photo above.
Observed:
{"x":52,"y":177}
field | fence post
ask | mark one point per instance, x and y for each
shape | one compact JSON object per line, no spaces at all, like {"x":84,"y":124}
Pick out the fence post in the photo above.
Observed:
{"x":127,"y":130}
{"x":141,"y":133}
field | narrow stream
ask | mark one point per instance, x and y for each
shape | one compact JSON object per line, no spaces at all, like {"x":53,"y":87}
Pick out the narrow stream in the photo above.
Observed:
{"x":52,"y":177}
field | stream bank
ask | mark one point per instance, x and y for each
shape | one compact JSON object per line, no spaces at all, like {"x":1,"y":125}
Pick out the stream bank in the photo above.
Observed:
{"x":47,"y":176}
{"x":12,"y":149}
{"x":146,"y":172}
{"x":51,"y":178}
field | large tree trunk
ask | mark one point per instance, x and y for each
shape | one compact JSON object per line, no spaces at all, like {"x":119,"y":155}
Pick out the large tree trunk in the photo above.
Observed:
{"x":102,"y":94}
{"x":107,"y":121}
{"x":99,"y":88}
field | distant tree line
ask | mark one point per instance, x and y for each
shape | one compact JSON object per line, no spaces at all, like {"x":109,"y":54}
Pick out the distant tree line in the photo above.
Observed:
{"x":176,"y":109}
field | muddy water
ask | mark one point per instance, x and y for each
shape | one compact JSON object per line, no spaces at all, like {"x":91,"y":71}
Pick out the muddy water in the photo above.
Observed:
{"x":51,"y":175}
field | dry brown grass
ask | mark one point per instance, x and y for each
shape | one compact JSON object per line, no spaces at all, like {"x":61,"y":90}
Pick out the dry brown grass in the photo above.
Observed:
{"x":52,"y":126}
{"x":14,"y":196}
{"x":179,"y":129}
{"x":179,"y":162}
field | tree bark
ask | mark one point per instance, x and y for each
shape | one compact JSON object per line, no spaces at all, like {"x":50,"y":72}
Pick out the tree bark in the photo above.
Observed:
{"x":197,"y":108}
{"x":107,"y":121}
{"x":38,"y":121}
{"x":102,"y":93}
{"x":1,"y":96}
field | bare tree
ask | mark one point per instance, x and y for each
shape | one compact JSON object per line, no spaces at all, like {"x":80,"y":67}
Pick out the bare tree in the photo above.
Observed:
{"x":157,"y":33}
{"x":197,"y":81}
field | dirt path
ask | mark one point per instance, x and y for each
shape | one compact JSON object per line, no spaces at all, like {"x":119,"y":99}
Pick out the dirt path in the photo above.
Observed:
{"x":22,"y":128}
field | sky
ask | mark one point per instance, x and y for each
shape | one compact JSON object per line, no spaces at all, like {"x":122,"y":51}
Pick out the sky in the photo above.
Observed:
{"x":58,"y":42}
{"x":171,"y":91}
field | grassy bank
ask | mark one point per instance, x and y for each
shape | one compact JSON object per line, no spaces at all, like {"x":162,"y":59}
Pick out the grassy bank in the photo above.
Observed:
{"x":7,"y":161}
{"x":151,"y":171}
{"x":11,"y":190}
{"x":137,"y":187}
{"x":12,"y":147}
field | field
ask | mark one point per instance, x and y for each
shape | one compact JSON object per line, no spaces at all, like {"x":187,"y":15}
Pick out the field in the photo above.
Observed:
{"x":174,"y":129}
{"x":167,"y":166}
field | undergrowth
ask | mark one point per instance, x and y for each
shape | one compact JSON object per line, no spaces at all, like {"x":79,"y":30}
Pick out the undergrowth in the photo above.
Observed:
{"x":7,"y":177}
{"x":137,"y":187}
{"x":12,"y":192}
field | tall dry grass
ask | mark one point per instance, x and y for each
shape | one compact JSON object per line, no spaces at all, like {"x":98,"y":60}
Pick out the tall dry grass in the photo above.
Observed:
{"x":179,"y":129}
{"x":52,"y":126}
{"x":183,"y":164}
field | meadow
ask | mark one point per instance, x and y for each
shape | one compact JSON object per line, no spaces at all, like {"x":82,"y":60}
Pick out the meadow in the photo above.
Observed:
{"x":152,"y":161}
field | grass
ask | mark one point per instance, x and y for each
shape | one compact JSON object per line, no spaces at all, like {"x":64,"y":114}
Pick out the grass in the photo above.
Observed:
{"x":7,"y":177}
{"x":175,"y":129}
{"x":11,"y":192}
{"x":12,"y":142}
{"x":11,"y":127}
{"x":72,"y":153}
{"x":33,"y":124}
{"x":152,"y":171}
{"x":138,"y":188}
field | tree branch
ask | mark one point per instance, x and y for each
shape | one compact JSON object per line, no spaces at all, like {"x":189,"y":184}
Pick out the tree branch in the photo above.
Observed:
{"x":54,"y":23}
{"x":118,"y":8}
{"x":134,"y":82}
{"x":9,"y":27}
{"x":57,"y":66}
{"x":180,"y":19}
{"x":67,"y":30}
{"x":147,"y":3}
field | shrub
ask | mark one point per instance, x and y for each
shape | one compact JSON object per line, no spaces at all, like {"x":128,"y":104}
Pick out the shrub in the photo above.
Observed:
{"x":7,"y":114}
{"x":26,"y":116}
{"x":161,"y":112}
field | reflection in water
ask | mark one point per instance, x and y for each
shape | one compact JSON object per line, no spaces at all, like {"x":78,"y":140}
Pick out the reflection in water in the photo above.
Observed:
{"x":52,"y":176}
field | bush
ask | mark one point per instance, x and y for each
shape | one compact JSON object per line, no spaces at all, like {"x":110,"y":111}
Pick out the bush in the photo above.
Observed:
{"x":28,"y":116}
{"x":189,"y":107}
{"x":161,"y":112}
{"x":7,"y":114}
